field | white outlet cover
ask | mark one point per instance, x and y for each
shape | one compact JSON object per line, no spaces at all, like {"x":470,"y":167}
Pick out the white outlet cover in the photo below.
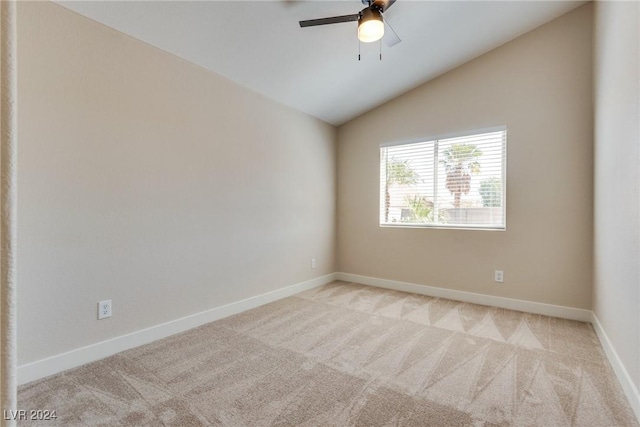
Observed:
{"x":104,"y":309}
{"x":499,"y":276}
{"x":313,"y":263}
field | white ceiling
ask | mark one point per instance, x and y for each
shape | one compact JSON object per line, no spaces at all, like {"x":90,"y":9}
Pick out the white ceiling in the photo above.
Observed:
{"x":260,"y":45}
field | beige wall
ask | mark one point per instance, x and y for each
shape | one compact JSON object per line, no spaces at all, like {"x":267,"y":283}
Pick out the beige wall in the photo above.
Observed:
{"x":150,"y":181}
{"x":155,"y":183}
{"x":539,"y":86}
{"x":616,"y":299}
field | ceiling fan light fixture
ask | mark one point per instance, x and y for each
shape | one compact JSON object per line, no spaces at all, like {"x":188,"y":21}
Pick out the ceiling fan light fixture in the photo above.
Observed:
{"x":370,"y":25}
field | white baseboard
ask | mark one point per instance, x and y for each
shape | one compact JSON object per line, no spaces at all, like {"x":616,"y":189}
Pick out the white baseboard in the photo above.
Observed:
{"x":74,"y":358}
{"x":512,"y":304}
{"x":61,"y":362}
{"x":629,"y":388}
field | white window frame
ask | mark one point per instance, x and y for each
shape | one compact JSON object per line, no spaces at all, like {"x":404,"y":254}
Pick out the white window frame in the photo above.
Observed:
{"x":436,"y":138}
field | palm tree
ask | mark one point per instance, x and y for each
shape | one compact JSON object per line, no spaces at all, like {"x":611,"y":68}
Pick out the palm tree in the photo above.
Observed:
{"x":460,"y":162}
{"x":399,"y":172}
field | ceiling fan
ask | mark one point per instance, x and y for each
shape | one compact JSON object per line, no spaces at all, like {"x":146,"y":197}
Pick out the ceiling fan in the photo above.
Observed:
{"x":370,"y":22}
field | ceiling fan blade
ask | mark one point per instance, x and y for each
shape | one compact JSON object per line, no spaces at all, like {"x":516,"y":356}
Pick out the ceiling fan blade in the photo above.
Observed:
{"x":391,"y":38}
{"x":331,"y":20}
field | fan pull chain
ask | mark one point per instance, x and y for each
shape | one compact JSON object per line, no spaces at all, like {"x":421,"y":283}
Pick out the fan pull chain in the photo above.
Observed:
{"x":359,"y":43}
{"x":380,"y":48}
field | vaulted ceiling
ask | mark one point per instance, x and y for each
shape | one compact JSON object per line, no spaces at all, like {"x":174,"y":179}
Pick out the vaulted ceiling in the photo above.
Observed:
{"x":260,"y":45}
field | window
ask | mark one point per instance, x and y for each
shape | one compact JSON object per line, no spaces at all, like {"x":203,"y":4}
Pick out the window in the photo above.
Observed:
{"x":453,"y":182}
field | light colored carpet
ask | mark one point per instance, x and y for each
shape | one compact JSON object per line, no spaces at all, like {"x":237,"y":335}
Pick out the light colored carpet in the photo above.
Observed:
{"x":346,"y":354}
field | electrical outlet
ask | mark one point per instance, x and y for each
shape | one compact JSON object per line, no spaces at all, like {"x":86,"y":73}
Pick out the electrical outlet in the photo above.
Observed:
{"x":498,"y":276}
{"x":313,"y":263}
{"x":104,"y":309}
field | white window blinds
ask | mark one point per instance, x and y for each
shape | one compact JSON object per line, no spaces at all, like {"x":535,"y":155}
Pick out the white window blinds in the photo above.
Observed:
{"x":456,"y":182}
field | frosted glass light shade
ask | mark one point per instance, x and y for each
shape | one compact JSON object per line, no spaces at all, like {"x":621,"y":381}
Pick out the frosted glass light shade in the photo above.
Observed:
{"x":370,"y":26}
